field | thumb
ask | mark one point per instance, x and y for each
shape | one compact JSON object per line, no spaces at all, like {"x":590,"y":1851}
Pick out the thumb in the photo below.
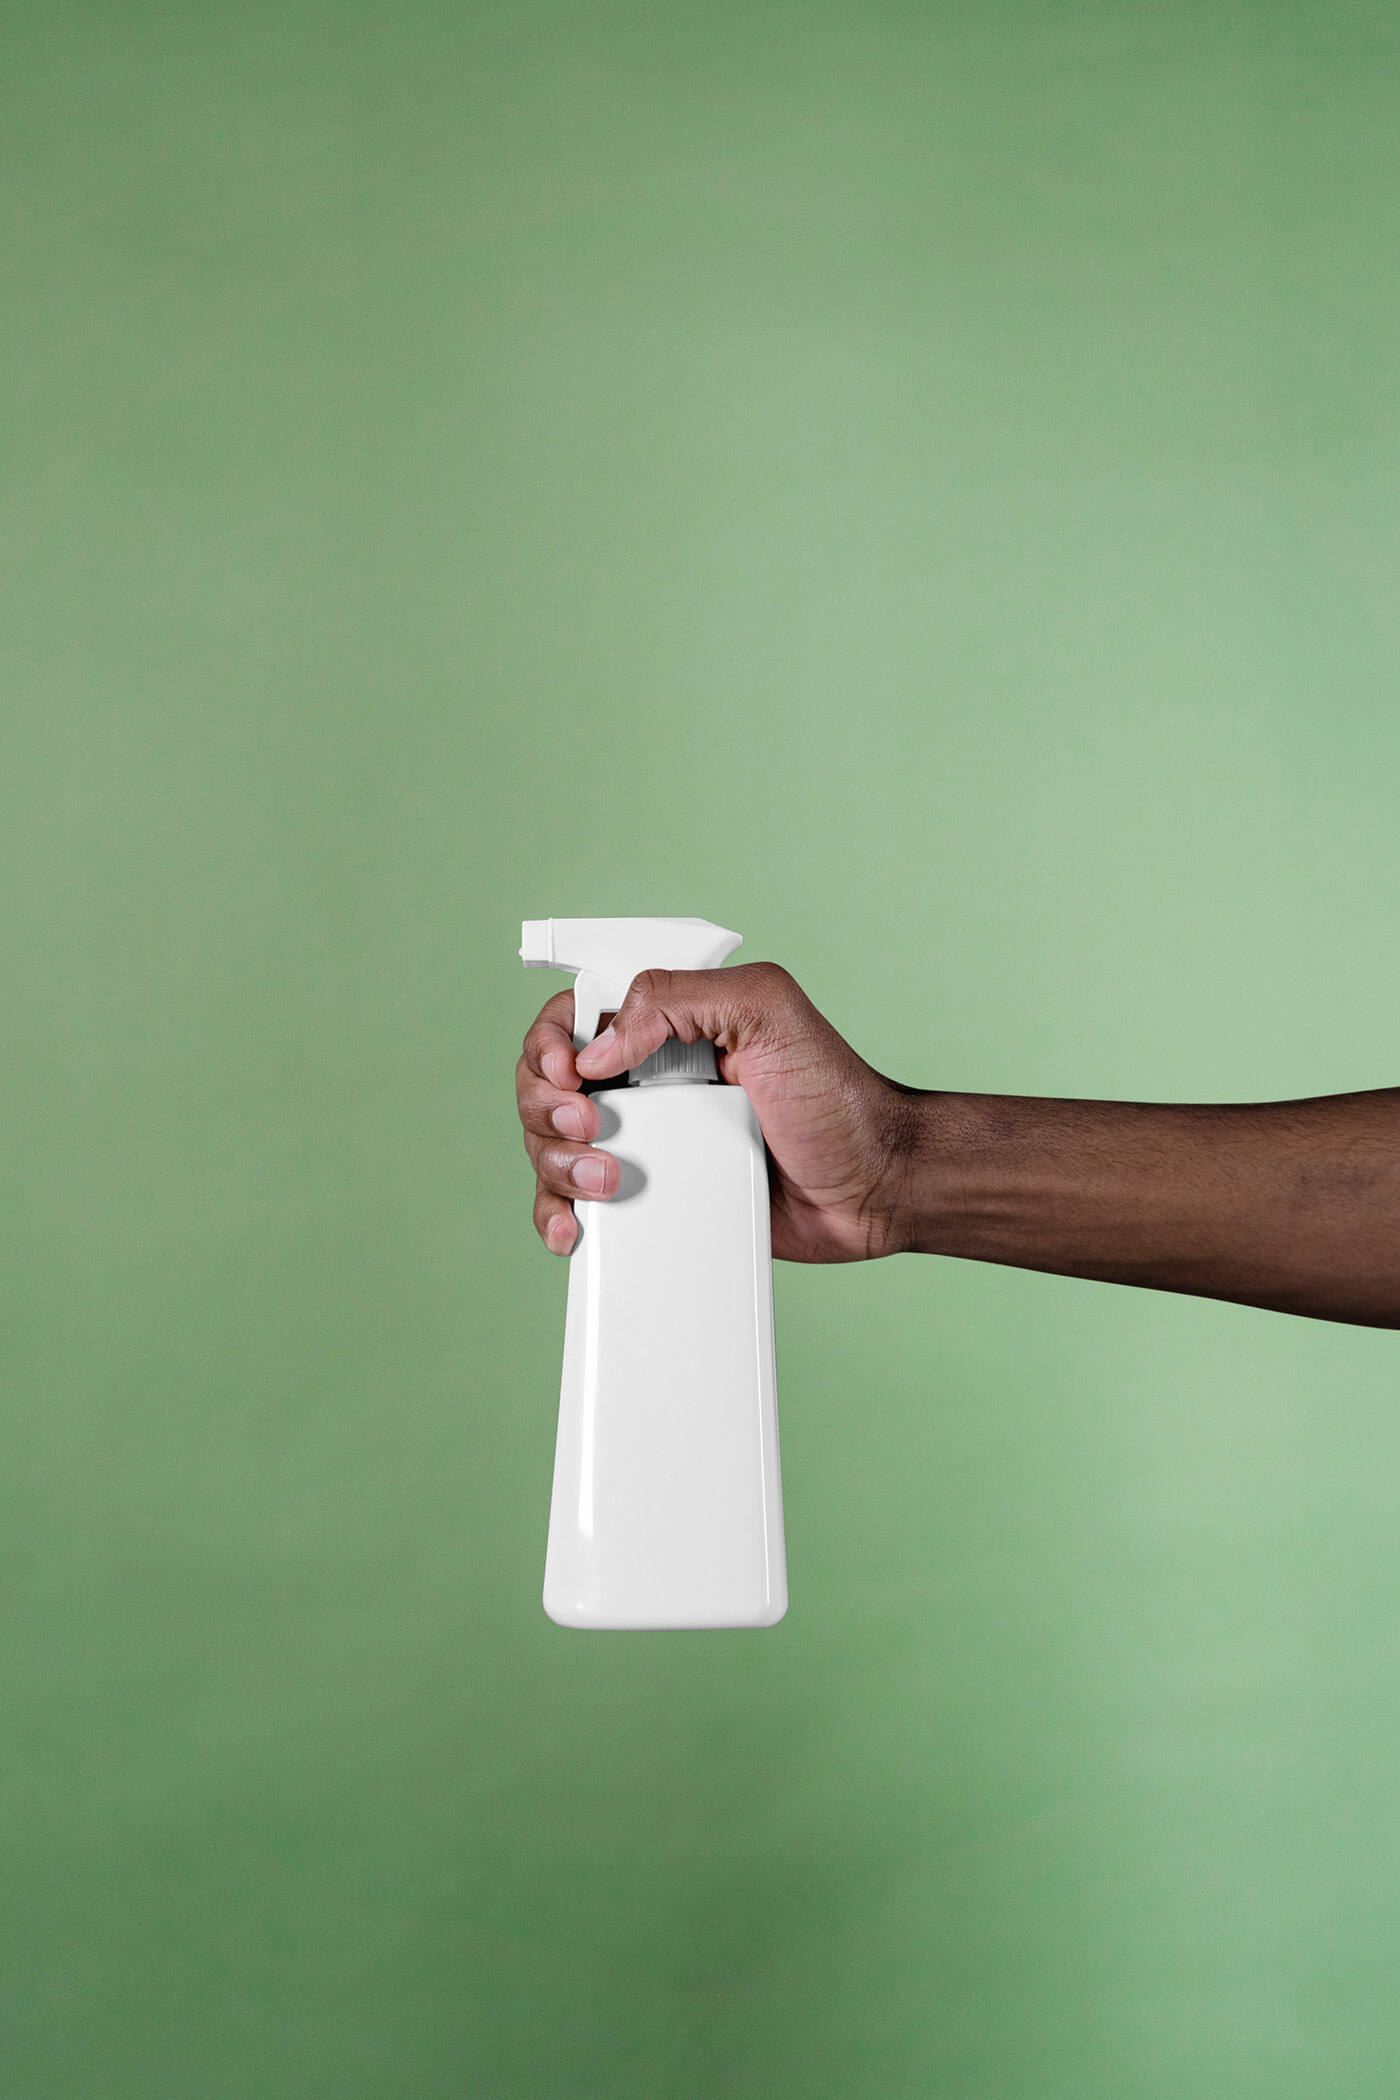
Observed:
{"x":727,"y":1007}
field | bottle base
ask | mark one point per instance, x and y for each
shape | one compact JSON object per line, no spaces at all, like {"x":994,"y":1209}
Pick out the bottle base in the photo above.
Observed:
{"x":577,"y":1619}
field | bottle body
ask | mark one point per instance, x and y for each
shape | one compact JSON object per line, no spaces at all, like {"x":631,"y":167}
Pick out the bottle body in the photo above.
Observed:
{"x":667,"y":1508}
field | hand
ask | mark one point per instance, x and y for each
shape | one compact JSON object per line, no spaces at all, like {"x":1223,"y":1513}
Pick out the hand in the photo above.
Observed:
{"x":838,"y":1134}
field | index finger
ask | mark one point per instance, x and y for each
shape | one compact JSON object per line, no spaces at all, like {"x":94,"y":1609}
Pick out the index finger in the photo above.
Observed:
{"x":725,"y":1007}
{"x":549,"y":1044}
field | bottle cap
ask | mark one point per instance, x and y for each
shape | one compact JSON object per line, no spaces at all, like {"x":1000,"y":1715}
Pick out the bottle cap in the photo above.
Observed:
{"x":677,"y":1064}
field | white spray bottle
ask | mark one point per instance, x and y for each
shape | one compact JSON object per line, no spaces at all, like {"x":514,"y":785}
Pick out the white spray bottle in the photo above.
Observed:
{"x":668,"y":1501}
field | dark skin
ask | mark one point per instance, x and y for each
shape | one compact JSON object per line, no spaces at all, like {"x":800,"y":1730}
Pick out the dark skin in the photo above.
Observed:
{"x":1291,"y":1205}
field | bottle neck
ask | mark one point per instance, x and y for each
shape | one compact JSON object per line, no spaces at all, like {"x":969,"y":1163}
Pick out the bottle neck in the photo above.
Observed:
{"x":677,"y":1064}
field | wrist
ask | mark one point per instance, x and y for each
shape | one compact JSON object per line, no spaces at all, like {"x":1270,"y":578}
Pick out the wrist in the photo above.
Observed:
{"x":926,"y":1147}
{"x":956,"y":1174}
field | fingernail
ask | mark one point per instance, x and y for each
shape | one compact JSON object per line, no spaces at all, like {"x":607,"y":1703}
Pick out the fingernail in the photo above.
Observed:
{"x":599,"y":1046}
{"x":553,"y":1068}
{"x":562,"y":1232}
{"x":591,"y":1173}
{"x":568,"y":1118}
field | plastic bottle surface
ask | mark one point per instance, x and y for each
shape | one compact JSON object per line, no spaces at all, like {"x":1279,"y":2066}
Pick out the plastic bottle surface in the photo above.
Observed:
{"x":667,"y":1508}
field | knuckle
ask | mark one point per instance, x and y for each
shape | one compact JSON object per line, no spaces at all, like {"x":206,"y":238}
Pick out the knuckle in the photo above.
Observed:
{"x":649,"y":988}
{"x":556,"y":1163}
{"x":777,"y":988}
{"x":531,"y":1091}
{"x":548,"y":1025}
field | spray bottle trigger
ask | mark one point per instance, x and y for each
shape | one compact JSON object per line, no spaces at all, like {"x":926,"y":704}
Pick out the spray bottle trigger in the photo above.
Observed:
{"x":591,"y":995}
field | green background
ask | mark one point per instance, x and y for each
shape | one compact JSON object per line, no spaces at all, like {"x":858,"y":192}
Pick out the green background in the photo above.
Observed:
{"x":917,"y":484}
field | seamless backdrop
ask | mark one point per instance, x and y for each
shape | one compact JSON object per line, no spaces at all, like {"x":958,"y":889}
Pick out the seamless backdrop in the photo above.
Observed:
{"x":916,"y":483}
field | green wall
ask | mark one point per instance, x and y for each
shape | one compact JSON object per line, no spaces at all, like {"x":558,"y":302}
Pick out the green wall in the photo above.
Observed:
{"x":917,"y":483}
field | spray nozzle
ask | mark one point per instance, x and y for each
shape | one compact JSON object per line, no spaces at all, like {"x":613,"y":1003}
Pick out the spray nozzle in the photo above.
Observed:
{"x":608,"y":953}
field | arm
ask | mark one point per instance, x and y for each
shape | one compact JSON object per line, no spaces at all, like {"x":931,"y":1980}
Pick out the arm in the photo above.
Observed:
{"x":1293,"y":1205}
{"x":1290,"y":1205}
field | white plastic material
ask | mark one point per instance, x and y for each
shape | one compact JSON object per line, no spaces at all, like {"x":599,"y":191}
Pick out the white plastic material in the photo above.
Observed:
{"x":608,"y":953}
{"x":667,"y":1507}
{"x":676,"y":1064}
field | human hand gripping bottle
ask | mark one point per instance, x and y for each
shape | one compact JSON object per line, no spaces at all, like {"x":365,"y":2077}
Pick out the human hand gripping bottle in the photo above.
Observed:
{"x":668,"y":1503}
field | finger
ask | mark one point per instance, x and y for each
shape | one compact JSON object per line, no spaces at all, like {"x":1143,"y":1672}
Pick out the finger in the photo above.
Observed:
{"x":728,"y":1007}
{"x":549,"y":1043}
{"x":575,"y":1171}
{"x":546,"y":1112}
{"x":555,"y":1222}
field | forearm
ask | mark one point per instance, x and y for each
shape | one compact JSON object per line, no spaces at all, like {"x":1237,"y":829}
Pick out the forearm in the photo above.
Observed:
{"x":1292,"y":1205}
